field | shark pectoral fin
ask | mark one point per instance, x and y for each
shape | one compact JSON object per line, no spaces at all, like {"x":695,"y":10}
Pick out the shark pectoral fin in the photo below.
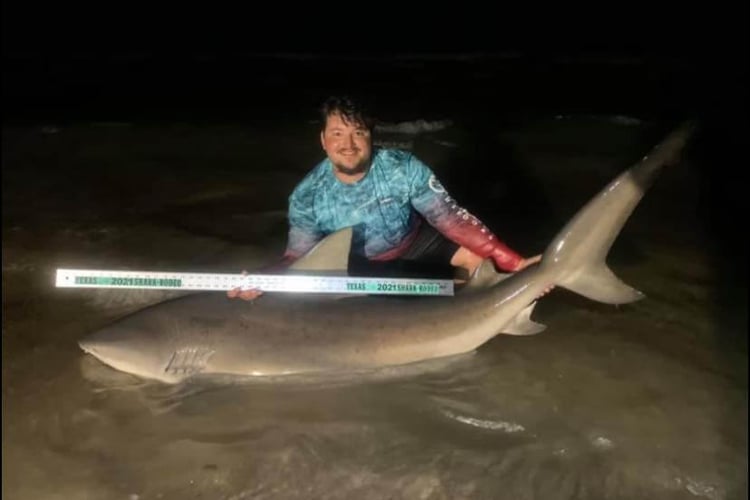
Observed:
{"x":599,"y":283}
{"x":523,"y":325}
{"x":330,"y":254}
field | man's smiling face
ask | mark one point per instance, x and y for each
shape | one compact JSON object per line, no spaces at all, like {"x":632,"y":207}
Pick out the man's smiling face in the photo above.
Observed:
{"x":347,"y":144}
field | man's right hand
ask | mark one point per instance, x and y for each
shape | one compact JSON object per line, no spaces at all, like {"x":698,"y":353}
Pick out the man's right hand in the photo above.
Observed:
{"x":251,"y":294}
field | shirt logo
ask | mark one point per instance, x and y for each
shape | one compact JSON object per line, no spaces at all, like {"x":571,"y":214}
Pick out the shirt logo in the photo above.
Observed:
{"x":435,"y":185}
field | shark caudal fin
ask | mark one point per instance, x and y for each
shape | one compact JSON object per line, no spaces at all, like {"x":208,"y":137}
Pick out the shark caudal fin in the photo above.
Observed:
{"x":580,"y":249}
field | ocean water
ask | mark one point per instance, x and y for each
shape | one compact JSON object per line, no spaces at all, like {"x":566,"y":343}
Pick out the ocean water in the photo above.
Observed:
{"x":646,"y":400}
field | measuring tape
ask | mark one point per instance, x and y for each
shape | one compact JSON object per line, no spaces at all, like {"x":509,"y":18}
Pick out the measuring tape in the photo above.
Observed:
{"x":83,"y":278}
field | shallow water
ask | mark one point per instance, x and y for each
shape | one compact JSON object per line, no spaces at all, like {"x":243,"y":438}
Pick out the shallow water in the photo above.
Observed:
{"x":647,"y":400}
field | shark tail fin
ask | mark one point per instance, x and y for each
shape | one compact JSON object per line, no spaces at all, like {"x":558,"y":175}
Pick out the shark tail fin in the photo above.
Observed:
{"x":581,"y":247}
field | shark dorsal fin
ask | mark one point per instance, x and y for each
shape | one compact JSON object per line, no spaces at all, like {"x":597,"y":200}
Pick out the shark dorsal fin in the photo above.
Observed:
{"x":331,"y":254}
{"x":484,"y":277}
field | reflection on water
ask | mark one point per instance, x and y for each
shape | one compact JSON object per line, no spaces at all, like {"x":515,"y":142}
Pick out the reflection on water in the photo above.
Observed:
{"x":638,"y":401}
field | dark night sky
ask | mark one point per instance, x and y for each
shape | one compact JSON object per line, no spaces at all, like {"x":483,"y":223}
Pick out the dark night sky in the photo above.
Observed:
{"x":64,"y":55}
{"x":54,"y":51}
{"x":63,"y":29}
{"x":60,"y":58}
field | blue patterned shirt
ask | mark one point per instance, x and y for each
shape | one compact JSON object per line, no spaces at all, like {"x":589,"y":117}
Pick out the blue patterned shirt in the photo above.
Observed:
{"x":384,"y":208}
{"x":381,"y":206}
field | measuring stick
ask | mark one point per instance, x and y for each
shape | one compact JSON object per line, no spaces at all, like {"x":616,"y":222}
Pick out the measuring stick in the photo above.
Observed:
{"x":90,"y":278}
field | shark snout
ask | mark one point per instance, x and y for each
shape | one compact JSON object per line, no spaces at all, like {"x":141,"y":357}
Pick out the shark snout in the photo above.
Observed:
{"x":112,"y":343}
{"x":129,"y":354}
{"x":87,"y":346}
{"x":97,"y":349}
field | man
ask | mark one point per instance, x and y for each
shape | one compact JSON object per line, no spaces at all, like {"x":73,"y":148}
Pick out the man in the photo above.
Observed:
{"x":403,"y":218}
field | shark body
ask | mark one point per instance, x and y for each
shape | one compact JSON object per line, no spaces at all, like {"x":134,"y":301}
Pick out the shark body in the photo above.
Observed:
{"x":282,"y":334}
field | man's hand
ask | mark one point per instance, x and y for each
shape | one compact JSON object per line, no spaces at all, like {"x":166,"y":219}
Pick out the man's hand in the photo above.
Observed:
{"x":251,"y":294}
{"x":527,"y":262}
{"x":533,"y":260}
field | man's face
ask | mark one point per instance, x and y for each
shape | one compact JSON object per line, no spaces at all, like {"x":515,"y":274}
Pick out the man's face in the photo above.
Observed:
{"x":348,"y":145}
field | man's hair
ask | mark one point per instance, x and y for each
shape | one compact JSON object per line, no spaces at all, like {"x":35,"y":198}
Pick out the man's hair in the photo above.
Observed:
{"x":352,"y":110}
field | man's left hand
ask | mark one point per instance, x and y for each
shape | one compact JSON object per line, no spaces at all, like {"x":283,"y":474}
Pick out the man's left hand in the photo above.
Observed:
{"x":533,"y":260}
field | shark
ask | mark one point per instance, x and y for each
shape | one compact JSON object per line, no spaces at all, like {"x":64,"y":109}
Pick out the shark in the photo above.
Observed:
{"x":280,"y":334}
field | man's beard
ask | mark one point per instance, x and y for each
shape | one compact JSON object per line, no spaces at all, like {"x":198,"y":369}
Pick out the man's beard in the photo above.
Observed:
{"x":358,"y":169}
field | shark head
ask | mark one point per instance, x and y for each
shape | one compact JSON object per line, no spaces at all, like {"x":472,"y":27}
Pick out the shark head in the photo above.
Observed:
{"x":143,"y":348}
